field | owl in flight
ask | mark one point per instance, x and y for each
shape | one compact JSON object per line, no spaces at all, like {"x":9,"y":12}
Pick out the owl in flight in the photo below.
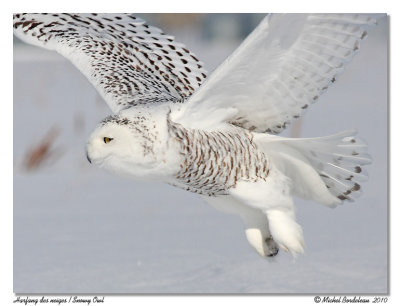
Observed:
{"x":217,"y":136}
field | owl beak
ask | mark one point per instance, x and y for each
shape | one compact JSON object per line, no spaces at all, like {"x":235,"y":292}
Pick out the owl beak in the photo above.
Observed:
{"x":88,"y":158}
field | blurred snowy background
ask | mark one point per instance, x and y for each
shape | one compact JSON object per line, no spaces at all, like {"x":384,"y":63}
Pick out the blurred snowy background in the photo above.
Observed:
{"x":78,"y":229}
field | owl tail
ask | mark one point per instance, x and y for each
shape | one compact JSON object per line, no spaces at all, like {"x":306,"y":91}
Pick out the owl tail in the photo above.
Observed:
{"x":326,"y":169}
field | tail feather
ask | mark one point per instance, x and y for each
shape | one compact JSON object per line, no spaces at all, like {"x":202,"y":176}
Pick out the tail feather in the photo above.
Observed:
{"x":337,"y":159}
{"x":339,"y":163}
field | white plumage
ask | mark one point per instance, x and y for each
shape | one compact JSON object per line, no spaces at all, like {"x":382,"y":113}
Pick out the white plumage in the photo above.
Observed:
{"x":215,"y":138}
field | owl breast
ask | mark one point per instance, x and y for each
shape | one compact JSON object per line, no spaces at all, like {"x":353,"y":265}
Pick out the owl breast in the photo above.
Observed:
{"x":214,"y":161}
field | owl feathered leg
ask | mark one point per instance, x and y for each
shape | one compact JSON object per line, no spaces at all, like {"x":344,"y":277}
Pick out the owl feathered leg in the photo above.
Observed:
{"x":255,"y":222}
{"x":272,"y":197}
{"x":258,"y":234}
{"x":286,"y":231}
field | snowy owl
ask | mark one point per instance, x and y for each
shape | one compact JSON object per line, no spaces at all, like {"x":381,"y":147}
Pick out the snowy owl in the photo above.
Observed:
{"x":217,"y":136}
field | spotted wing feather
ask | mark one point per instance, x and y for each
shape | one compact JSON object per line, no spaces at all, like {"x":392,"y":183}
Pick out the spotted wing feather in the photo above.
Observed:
{"x":281,"y":68}
{"x":129,"y":62}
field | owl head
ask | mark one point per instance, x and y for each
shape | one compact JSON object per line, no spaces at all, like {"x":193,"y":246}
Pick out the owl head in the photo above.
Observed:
{"x":132,"y":143}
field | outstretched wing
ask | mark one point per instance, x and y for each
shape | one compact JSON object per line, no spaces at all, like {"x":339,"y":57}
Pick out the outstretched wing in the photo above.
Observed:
{"x":129,"y":62}
{"x":284,"y":65}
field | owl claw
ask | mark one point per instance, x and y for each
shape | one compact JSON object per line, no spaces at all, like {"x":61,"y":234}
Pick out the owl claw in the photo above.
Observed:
{"x":272,"y":247}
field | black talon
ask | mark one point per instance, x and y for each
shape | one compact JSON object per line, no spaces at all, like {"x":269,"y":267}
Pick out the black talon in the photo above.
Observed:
{"x":88,"y":158}
{"x":274,"y":250}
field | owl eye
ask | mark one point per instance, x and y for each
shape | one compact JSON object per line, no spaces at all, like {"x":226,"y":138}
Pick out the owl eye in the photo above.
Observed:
{"x":107,"y":139}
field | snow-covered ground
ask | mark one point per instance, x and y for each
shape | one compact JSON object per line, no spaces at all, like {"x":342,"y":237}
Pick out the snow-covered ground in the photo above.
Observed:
{"x":78,"y":229}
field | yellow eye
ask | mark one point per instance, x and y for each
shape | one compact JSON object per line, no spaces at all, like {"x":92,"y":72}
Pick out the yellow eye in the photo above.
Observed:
{"x":107,"y":139}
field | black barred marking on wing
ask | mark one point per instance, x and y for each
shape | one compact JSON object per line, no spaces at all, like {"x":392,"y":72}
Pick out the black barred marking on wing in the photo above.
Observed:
{"x":129,"y":62}
{"x":213,"y":162}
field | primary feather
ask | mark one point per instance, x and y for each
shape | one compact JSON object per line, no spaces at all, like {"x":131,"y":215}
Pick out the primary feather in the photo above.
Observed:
{"x":281,"y":68}
{"x":129,"y":62}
